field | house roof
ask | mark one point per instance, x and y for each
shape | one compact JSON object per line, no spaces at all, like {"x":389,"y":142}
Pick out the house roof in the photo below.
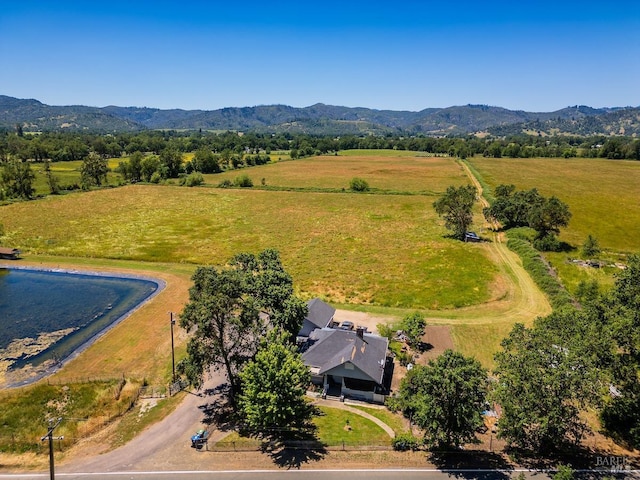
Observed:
{"x":335,"y":347}
{"x":9,"y":251}
{"x":320,"y":313}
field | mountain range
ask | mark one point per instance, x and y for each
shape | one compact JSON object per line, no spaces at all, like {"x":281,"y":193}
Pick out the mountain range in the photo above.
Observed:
{"x":320,"y":119}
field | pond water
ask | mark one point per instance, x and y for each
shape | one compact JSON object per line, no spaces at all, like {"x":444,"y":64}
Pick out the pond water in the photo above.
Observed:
{"x":47,"y":315}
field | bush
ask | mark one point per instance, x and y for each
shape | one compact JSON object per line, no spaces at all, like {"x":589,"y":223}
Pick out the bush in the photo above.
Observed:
{"x":155,"y":177}
{"x":226,"y":183}
{"x":405,"y":442}
{"x":358,"y":185}
{"x":243,"y":181}
{"x":548,"y":243}
{"x":194,"y":179}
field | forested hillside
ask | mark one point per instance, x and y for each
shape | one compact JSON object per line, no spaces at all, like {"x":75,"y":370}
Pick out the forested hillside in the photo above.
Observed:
{"x":320,"y":119}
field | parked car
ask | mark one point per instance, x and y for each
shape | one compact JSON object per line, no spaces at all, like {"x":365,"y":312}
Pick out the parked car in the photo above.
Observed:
{"x":346,"y":325}
{"x":199,"y":439}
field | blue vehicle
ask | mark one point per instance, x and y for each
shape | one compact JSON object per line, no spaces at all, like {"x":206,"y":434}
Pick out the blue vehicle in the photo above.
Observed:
{"x":199,"y":439}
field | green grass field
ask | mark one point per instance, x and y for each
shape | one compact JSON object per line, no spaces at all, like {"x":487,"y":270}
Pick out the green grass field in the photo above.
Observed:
{"x":386,"y":250}
{"x":68,"y":173}
{"x":603,"y":195}
{"x":408,"y":172}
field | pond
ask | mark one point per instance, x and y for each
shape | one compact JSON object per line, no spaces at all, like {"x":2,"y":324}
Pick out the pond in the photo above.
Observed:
{"x":46,"y":315}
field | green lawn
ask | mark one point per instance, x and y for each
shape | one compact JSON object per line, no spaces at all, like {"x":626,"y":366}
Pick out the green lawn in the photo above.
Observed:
{"x":338,"y":427}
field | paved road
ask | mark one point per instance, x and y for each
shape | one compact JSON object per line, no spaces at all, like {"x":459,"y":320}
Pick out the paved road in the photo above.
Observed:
{"x":382,"y":474}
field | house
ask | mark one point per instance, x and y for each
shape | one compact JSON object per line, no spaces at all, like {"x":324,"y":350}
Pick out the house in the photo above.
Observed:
{"x":348,"y":363}
{"x":320,"y":315}
{"x":9,"y":253}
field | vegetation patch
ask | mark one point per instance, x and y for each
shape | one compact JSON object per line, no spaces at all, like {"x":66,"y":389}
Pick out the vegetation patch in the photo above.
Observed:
{"x":83,"y":407}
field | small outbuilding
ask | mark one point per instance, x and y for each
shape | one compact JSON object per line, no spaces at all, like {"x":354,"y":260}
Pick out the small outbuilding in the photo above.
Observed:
{"x":9,"y":253}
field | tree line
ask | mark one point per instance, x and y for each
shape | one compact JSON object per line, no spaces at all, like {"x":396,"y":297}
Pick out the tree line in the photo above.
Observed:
{"x":76,"y":146}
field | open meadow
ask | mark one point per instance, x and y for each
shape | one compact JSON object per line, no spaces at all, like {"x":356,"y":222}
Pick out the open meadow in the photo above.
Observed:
{"x":406,"y":172}
{"x":603,"y":197}
{"x":386,"y":250}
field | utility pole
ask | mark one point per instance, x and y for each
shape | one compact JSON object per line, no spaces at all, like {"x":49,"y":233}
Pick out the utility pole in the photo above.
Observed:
{"x":173,"y":357}
{"x":50,"y":436}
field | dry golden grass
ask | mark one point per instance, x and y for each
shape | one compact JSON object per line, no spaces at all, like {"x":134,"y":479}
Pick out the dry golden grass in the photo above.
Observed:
{"x":408,"y":173}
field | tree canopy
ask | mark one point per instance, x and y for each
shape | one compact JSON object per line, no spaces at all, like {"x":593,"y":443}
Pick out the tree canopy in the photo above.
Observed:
{"x":445,"y":398}
{"x":231,"y":308}
{"x":93,"y":170}
{"x":274,"y":384}
{"x":455,"y":206}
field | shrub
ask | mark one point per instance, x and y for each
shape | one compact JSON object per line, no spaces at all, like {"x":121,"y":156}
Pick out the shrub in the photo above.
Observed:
{"x":548,"y":243}
{"x":155,"y":177}
{"x":243,"y":181}
{"x":226,"y":183}
{"x":194,"y":179}
{"x":405,"y":442}
{"x":358,"y":185}
{"x":590,"y":247}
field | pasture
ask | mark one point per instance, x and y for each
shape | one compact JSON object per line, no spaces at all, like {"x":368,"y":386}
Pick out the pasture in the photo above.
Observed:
{"x":407,"y":173}
{"x":387,"y":250}
{"x":603,"y":195}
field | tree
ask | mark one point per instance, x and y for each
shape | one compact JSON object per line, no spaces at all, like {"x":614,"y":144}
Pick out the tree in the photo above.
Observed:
{"x":359,"y":185}
{"x":446,"y":398}
{"x":93,"y":170}
{"x":149,"y":165}
{"x":274,"y":384}
{"x":17,"y":179}
{"x":171,"y":163}
{"x":546,"y":375}
{"x":205,"y":161}
{"x":547,"y":217}
{"x":231,"y":308}
{"x":455,"y":206}
{"x":132,"y":170}
{"x":227,"y":326}
{"x":621,"y":309}
{"x":590,"y":247}
{"x":272,"y":288}
{"x":52,"y":181}
{"x":413,"y":327}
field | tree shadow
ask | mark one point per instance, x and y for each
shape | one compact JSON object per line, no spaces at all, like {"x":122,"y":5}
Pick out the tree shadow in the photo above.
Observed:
{"x":472,"y":464}
{"x":577,"y":456}
{"x":293,"y":449}
{"x":218,"y":410}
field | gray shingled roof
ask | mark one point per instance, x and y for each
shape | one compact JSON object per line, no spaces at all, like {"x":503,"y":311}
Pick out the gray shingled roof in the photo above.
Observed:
{"x":320,"y":313}
{"x":319,"y":316}
{"x":334,"y":347}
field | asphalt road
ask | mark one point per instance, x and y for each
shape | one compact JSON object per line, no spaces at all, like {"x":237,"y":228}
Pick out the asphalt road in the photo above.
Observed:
{"x":382,"y":474}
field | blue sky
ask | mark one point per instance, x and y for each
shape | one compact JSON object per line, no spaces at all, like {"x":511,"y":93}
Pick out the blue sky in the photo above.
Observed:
{"x":401,"y":55}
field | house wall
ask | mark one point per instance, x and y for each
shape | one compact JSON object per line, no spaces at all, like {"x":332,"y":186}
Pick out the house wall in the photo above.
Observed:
{"x":344,"y":371}
{"x":365,"y":396}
